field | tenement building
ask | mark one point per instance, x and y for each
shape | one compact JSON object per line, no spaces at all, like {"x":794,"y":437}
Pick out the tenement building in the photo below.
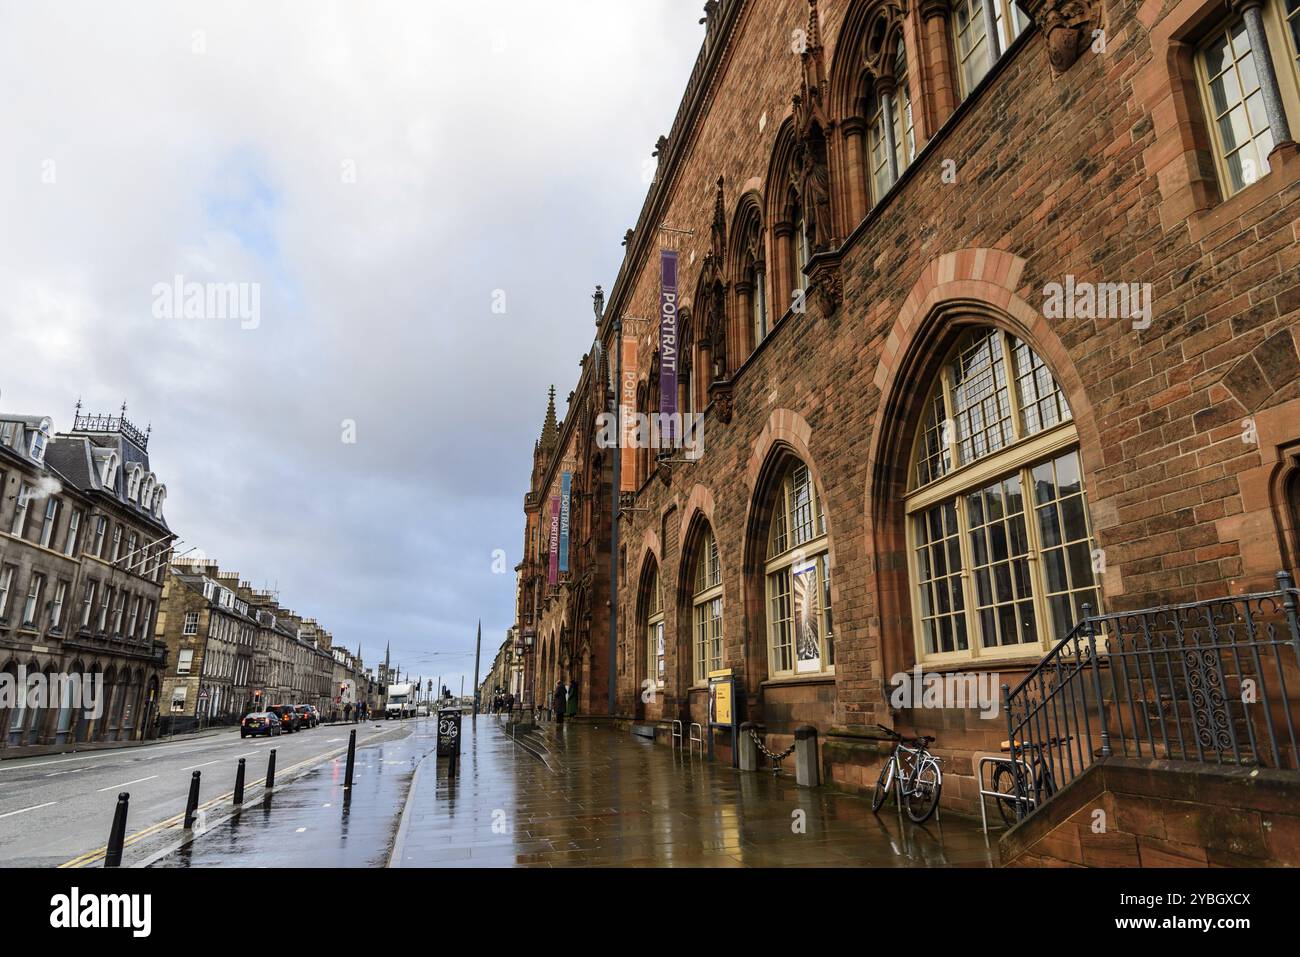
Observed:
{"x":83,"y":548}
{"x":978,"y":314}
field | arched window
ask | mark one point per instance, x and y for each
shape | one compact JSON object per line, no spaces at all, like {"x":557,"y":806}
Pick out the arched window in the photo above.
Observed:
{"x":654,"y":630}
{"x":891,"y":137}
{"x":750,"y":273}
{"x":800,"y":637}
{"x":1000,"y":543}
{"x":802,"y":243}
{"x":706,"y":609}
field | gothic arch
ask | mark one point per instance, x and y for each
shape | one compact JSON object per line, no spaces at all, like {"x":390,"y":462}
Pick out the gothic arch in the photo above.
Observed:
{"x":786,"y":437}
{"x":970,"y":287}
{"x":748,"y":272}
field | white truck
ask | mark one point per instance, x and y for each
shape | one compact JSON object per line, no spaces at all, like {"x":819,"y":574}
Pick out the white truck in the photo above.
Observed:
{"x":401,"y":701}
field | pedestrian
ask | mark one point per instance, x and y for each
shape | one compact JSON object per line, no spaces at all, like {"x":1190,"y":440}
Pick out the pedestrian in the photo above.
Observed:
{"x":558,"y":702}
{"x":572,"y":698}
{"x":347,"y":711}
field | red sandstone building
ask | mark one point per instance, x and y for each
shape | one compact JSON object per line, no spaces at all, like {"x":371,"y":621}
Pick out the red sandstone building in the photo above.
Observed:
{"x":989,"y":311}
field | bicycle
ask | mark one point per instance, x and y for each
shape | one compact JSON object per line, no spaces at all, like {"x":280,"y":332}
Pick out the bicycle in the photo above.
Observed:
{"x":1005,"y":779}
{"x":917,"y":771}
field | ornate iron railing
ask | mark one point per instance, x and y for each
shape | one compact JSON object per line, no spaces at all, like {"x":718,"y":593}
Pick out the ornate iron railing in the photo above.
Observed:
{"x":1214,"y":682}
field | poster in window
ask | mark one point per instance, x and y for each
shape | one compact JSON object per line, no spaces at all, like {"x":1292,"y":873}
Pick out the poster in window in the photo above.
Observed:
{"x":807,"y":643}
{"x":659,"y":650}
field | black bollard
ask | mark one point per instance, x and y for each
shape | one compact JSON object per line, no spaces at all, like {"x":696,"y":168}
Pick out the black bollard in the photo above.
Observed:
{"x":270,"y":772}
{"x":117,"y":834}
{"x":239,"y":784}
{"x":352,"y":759}
{"x":192,"y":804}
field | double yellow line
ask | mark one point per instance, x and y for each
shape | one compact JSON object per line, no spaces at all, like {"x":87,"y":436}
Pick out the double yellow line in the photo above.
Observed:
{"x":94,"y":857}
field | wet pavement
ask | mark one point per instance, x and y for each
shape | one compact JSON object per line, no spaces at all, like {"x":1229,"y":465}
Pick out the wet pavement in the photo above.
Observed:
{"x":313,"y":821}
{"x":574,"y":795}
{"x":584,"y":795}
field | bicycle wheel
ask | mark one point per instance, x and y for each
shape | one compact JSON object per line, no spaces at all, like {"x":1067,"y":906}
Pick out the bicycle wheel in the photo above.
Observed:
{"x":883,"y":784}
{"x":1004,"y":782}
{"x":924,"y":795}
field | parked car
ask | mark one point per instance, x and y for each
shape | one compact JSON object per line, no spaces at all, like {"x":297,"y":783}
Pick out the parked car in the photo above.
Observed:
{"x":259,"y":722}
{"x":315,"y":712}
{"x":290,"y":720}
{"x":422,"y":711}
{"x":308,"y":715}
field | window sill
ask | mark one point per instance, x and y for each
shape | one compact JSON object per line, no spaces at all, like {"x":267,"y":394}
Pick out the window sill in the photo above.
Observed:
{"x":1284,"y":171}
{"x":822,"y":677}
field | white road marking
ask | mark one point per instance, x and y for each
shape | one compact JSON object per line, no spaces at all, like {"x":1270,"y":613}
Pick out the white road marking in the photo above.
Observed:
{"x":55,"y":774}
{"x":203,"y":765}
{"x":300,"y":830}
{"x":34,"y":807}
{"x":114,"y":787}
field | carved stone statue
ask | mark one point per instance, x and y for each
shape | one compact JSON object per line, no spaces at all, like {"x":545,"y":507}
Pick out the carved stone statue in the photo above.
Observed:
{"x":815,"y":191}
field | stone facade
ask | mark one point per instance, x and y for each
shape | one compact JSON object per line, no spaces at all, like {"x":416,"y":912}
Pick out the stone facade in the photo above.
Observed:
{"x":823,"y":293}
{"x":83,"y":545}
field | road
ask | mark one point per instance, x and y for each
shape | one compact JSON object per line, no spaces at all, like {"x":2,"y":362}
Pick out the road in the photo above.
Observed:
{"x":57,"y":810}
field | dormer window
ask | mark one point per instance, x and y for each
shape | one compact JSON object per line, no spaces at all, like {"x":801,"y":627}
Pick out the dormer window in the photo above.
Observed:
{"x":133,"y":483}
{"x":40,"y":439}
{"x":159,"y":496}
{"x":146,"y":495}
{"x":109,"y":476}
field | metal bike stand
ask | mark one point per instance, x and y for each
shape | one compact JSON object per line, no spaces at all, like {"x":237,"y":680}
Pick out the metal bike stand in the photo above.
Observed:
{"x":677,"y":735}
{"x":696,"y":738}
{"x":990,"y":791}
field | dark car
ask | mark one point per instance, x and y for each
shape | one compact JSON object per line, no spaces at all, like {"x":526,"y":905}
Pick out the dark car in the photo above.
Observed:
{"x":290,"y":720}
{"x":259,"y":722}
{"x":308,"y":715}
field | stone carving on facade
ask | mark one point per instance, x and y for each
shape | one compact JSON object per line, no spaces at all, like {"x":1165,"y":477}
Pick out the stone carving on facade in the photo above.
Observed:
{"x":810,"y":171}
{"x":713,"y":291}
{"x":1068,"y":26}
{"x":721,"y":398}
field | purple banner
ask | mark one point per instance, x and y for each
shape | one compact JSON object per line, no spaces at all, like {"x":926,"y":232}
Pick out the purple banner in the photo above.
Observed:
{"x":555,"y":540}
{"x":667,"y":341}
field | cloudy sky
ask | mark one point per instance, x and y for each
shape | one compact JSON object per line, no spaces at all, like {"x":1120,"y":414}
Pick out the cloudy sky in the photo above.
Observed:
{"x":383,"y":171}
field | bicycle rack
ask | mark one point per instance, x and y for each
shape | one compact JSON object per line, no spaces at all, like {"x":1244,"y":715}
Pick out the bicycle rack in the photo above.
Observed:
{"x":696,"y":739}
{"x":995,"y":760}
{"x":677,"y":735}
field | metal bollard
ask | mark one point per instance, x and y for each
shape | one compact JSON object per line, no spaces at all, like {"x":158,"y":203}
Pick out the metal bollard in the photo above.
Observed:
{"x":192,"y":804}
{"x":270,"y":772}
{"x":117,"y":833}
{"x":806,"y":771}
{"x":352,"y":760}
{"x":239,"y":784}
{"x":748,"y":749}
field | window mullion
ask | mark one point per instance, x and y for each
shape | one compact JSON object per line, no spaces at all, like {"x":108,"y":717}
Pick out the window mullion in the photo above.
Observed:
{"x":967,"y":585}
{"x":1253,"y":15}
{"x":1036,"y":584}
{"x":1013,"y":397}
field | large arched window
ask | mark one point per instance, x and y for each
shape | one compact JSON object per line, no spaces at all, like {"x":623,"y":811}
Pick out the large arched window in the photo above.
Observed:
{"x":800,"y":637}
{"x":706,"y":609}
{"x":654,"y":630}
{"x":999,"y":539}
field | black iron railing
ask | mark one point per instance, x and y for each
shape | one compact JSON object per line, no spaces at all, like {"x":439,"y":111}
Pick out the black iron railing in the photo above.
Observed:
{"x":1214,"y":682}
